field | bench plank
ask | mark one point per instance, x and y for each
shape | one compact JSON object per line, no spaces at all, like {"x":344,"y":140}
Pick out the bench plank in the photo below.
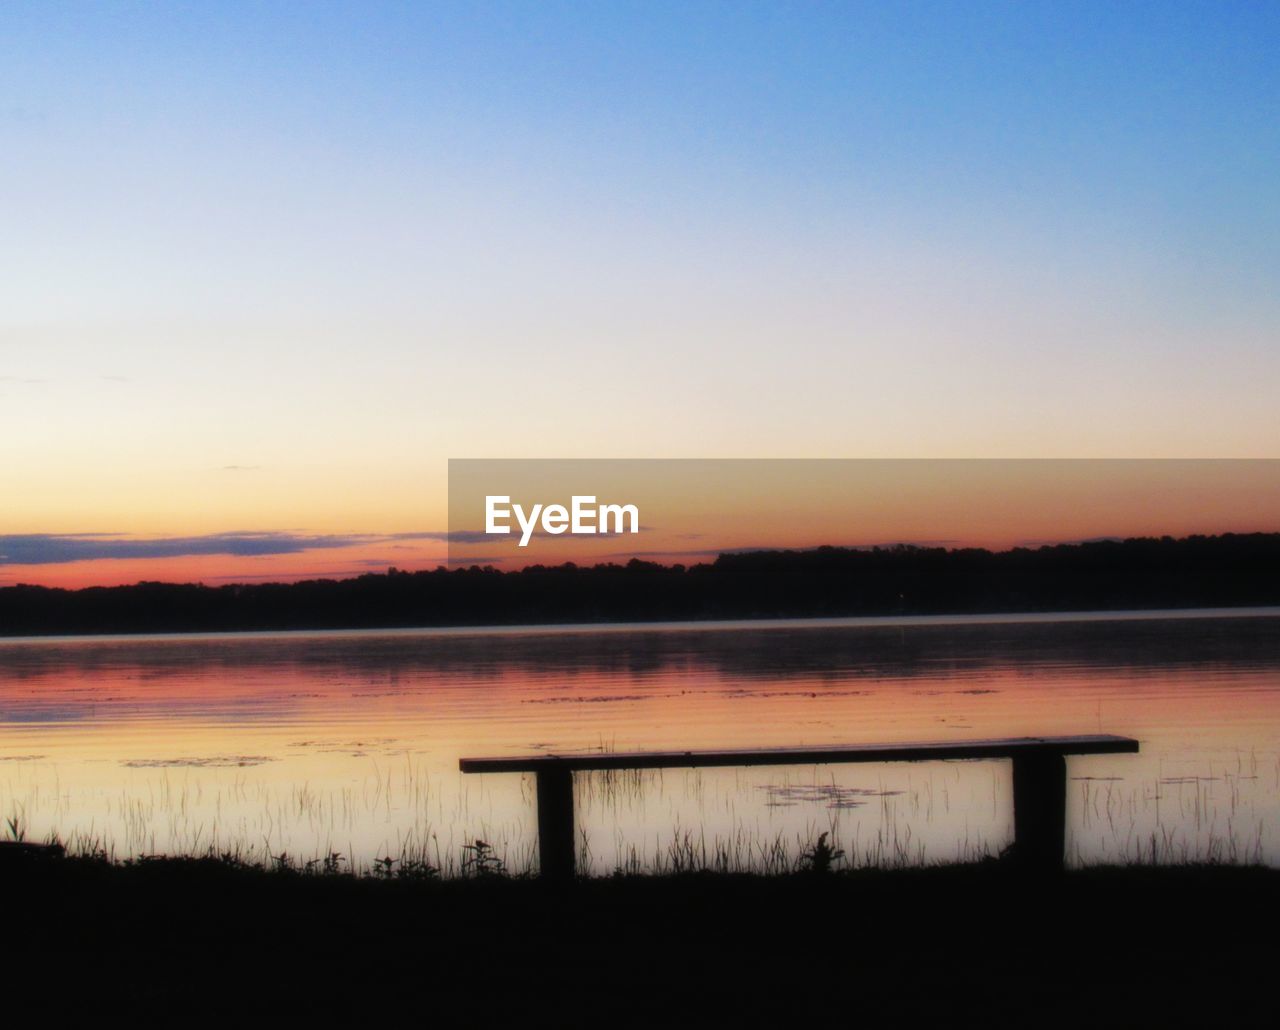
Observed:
{"x":1094,"y":744}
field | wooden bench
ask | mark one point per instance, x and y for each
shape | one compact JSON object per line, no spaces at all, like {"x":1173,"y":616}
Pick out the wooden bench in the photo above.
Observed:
{"x":1039,"y":782}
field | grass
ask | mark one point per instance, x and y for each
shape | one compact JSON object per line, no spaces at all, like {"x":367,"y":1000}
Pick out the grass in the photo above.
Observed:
{"x":709,"y":929}
{"x":951,"y":814}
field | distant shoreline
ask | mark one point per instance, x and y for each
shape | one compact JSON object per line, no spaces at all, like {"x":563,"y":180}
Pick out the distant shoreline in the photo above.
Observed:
{"x":1236,"y":573}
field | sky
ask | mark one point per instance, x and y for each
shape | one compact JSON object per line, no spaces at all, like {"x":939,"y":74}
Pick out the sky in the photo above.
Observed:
{"x":267,"y":267}
{"x":691,"y":510}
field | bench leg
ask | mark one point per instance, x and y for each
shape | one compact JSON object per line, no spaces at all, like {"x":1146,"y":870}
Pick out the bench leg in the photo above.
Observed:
{"x":1039,"y":810}
{"x":555,"y":823}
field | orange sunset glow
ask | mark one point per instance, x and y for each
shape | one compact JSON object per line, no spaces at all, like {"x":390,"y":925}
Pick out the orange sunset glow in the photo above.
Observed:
{"x":693,"y":510}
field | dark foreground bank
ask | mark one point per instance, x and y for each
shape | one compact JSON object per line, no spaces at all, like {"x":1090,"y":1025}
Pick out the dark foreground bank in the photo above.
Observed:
{"x":189,"y":941}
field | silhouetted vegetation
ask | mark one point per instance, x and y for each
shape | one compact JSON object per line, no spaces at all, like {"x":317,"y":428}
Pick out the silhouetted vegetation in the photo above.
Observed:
{"x":1198,"y":571}
{"x":172,"y":939}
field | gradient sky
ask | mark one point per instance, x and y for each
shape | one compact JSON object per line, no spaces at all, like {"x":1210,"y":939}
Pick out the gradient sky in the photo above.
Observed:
{"x":265,"y":268}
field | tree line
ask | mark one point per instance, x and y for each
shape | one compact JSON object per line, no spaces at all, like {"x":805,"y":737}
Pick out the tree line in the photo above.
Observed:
{"x":1197,"y":571}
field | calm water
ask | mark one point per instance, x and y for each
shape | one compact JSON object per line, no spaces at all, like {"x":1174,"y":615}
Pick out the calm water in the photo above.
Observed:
{"x":317,"y":742}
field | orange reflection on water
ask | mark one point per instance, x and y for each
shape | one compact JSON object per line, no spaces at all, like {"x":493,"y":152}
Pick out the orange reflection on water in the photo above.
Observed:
{"x":313,"y":742}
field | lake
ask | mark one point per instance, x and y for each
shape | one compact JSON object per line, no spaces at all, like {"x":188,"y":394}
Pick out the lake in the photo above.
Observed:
{"x":309,"y":744}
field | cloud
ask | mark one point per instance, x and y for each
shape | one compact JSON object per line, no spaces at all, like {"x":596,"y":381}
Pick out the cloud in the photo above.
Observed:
{"x":705,"y":552}
{"x":1059,"y":543}
{"x":276,"y":577}
{"x":54,"y":549}
{"x":460,"y":536}
{"x":479,"y":536}
{"x":712,"y":552}
{"x":57,"y":548}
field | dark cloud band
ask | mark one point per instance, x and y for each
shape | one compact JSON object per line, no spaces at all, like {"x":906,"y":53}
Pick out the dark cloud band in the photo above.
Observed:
{"x":54,"y":549}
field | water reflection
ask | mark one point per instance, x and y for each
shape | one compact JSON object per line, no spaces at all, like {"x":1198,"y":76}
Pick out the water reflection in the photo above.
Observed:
{"x":349,"y":741}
